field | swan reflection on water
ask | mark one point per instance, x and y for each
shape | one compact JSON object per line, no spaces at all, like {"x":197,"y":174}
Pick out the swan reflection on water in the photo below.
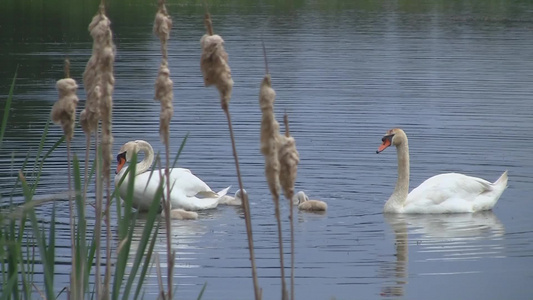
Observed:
{"x":454,"y":236}
{"x":185,"y":235}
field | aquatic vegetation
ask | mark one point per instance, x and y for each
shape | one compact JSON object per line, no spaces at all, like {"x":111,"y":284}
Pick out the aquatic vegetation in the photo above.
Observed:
{"x":105,"y":265}
{"x":215,"y":69}
{"x":281,"y":165}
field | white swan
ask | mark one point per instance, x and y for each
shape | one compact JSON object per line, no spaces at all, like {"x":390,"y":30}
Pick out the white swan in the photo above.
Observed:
{"x":187,"y":191}
{"x":443,"y":193}
{"x":305,"y":204}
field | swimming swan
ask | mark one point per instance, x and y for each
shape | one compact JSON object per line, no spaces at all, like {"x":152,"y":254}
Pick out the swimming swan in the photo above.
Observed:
{"x":443,"y":193}
{"x":187,"y":191}
{"x":305,"y":204}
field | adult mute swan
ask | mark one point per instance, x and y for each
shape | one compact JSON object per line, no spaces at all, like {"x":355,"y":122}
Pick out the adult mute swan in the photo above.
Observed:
{"x":187,"y":191}
{"x":305,"y":204}
{"x":443,"y":193}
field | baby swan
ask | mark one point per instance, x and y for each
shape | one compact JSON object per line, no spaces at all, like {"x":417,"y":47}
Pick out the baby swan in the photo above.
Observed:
{"x":235,"y":201}
{"x":181,"y":214}
{"x":305,"y":204}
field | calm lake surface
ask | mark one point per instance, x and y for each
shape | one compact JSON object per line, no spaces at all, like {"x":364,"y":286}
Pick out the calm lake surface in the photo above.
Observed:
{"x":457,"y":77}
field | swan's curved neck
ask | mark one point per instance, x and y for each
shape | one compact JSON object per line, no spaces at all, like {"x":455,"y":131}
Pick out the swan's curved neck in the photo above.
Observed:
{"x":148,"y":159}
{"x":399,"y":196}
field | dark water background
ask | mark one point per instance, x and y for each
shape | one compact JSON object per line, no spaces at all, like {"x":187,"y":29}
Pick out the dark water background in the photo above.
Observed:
{"x":455,"y":75}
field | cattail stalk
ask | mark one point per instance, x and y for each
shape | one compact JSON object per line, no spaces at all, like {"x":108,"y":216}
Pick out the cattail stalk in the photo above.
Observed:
{"x":89,"y":118}
{"x":99,"y":83}
{"x":164,"y":94}
{"x":64,"y":113}
{"x":216,"y":71}
{"x":289,"y":159}
{"x":269,"y":148}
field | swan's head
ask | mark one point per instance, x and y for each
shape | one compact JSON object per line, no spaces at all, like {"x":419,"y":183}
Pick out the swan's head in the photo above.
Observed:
{"x":239,"y":193}
{"x":126,"y":152}
{"x":394,"y":137}
{"x":299,"y":198}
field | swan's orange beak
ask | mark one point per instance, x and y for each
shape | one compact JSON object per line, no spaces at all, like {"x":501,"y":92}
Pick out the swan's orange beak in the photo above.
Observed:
{"x":386,"y":143}
{"x":121,"y":161}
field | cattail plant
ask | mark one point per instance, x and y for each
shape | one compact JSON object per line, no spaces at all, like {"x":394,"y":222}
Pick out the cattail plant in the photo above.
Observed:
{"x":164,"y":94}
{"x":216,"y":71}
{"x":64,"y":113}
{"x":99,"y":84}
{"x":269,"y":147}
{"x":288,"y":160}
{"x":89,"y":120}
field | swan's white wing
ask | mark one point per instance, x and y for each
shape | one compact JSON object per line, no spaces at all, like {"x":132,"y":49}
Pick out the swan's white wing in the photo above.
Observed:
{"x":143,"y":191}
{"x":188,"y":184}
{"x":450,"y":192}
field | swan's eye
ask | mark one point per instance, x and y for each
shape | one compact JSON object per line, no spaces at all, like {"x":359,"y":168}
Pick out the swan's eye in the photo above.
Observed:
{"x":387,"y":138}
{"x":121,"y":156}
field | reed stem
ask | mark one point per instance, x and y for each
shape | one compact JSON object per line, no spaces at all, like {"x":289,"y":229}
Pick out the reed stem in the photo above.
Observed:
{"x":98,"y":221}
{"x":107,"y":279}
{"x":215,"y":68}
{"x":280,"y":241}
{"x":291,"y":214}
{"x":73,"y":279}
{"x":246,"y":208}
{"x":167,"y":207}
{"x":164,"y":94}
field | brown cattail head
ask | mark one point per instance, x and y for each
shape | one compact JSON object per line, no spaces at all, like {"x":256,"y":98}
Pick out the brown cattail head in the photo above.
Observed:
{"x":163,"y":93}
{"x":100,"y":29}
{"x":215,"y":67}
{"x":64,"y":110}
{"x":99,"y":83}
{"x":162,"y":26}
{"x":269,"y":135}
{"x":91,"y":114}
{"x":289,"y":159}
{"x":163,"y":83}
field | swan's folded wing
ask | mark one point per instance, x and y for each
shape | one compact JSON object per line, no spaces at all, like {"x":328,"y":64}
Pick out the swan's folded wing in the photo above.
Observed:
{"x":448,"y":187}
{"x":188,"y":184}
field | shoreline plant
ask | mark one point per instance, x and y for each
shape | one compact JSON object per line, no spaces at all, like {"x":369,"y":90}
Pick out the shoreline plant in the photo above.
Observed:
{"x":113,"y":269}
{"x":23,"y":248}
{"x":216,"y":71}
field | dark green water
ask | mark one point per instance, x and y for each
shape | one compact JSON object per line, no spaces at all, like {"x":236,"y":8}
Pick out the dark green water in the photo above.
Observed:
{"x":455,"y":75}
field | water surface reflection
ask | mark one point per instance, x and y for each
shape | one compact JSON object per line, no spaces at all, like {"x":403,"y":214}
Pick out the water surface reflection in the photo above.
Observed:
{"x":469,"y":238}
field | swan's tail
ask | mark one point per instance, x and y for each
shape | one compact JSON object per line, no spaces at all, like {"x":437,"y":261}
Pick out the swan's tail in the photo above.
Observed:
{"x":498,"y":187}
{"x":502,"y":181}
{"x":487,"y":199}
{"x":223,"y":192}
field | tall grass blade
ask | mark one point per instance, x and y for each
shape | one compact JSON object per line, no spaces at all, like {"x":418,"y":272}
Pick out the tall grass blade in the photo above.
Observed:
{"x":202,"y":291}
{"x":179,"y":150}
{"x":7,"y":108}
{"x":24,"y":163}
{"x":81,"y":241}
{"x":41,"y":244}
{"x":46,"y":155}
{"x":145,"y":238}
{"x":147,"y":261}
{"x":10,"y":285}
{"x":125,"y":230}
{"x":14,"y":247}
